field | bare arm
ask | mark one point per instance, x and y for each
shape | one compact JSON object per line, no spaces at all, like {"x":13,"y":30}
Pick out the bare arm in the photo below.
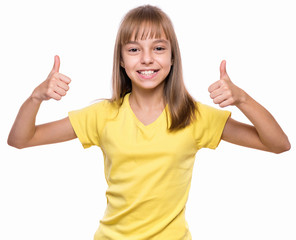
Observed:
{"x":265,"y":134}
{"x":24,"y":132}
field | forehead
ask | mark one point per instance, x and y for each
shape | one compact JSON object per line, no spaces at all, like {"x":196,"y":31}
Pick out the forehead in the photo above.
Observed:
{"x":143,"y":32}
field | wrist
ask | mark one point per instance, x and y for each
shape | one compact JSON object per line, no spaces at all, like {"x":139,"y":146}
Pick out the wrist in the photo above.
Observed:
{"x":243,"y":99}
{"x":35,"y":99}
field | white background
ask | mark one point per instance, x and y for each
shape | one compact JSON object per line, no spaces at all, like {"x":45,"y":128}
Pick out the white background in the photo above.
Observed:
{"x":58,"y":191}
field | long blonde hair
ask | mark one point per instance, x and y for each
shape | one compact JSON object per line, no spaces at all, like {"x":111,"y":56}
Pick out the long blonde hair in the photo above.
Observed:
{"x":180,"y":103}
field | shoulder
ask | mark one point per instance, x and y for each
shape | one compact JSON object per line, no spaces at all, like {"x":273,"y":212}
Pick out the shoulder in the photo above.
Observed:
{"x":209,"y":113}
{"x":99,"y":109}
{"x":101,"y":105}
{"x":202,"y":109}
{"x":209,"y":125}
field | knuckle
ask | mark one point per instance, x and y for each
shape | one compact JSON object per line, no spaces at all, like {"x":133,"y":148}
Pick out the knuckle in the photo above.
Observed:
{"x":66,"y":87}
{"x":48,"y":92}
{"x":222,"y":82}
{"x":225,"y":88}
{"x":56,"y":75}
{"x":52,"y":81}
{"x":57,"y":97}
{"x":51,"y":86}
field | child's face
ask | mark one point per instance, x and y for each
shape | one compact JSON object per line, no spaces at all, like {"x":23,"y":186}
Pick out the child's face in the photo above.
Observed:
{"x":147,"y":62}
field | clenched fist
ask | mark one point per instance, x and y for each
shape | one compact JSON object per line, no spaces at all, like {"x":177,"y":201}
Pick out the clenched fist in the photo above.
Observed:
{"x":55,"y":86}
{"x":224,"y":92}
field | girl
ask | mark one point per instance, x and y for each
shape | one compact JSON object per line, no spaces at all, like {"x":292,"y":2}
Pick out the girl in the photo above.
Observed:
{"x":150,"y":130}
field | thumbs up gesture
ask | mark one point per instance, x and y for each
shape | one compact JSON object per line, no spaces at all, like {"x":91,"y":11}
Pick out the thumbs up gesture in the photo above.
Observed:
{"x":55,"y":86}
{"x":224,"y":92}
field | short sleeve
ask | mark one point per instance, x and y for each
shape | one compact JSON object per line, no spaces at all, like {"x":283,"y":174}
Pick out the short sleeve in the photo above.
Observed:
{"x":87,"y":122}
{"x":209,"y":126}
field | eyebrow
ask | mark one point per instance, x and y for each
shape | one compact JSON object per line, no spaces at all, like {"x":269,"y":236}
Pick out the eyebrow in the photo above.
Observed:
{"x":156,"y":41}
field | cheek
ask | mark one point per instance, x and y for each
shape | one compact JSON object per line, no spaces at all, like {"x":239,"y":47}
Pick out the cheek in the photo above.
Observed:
{"x":166,"y":64}
{"x":129,"y":69}
{"x":165,"y":61}
{"x":129,"y":63}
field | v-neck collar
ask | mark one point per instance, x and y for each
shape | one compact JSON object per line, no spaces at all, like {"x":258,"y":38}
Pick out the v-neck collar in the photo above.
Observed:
{"x":139,"y":123}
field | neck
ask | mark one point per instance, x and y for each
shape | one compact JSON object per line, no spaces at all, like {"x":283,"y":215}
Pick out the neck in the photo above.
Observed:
{"x":147,"y":100}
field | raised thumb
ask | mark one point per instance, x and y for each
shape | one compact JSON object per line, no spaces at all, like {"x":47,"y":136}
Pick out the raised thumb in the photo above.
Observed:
{"x":56,"y":65}
{"x":223,"y":72}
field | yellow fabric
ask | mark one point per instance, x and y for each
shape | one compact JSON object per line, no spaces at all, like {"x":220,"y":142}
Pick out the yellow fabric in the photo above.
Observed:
{"x":148,"y":169}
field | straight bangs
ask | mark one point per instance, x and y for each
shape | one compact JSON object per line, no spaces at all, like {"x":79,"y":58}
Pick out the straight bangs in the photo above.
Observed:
{"x":146,"y":30}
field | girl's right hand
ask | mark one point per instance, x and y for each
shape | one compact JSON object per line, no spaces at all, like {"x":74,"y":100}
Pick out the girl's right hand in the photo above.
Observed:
{"x":55,"y":86}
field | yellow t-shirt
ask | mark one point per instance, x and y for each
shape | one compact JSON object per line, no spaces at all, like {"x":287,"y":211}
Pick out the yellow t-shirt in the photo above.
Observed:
{"x":148,"y":169}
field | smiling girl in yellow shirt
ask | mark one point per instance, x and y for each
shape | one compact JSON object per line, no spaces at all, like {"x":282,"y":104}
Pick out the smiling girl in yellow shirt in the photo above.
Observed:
{"x":150,"y":130}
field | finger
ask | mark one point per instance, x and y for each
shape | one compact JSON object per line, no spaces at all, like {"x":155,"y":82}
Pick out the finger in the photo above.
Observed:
{"x":54,"y":95}
{"x":63,"y":85}
{"x":223,"y":72}
{"x":56,"y":65}
{"x":216,"y":93}
{"x":214,"y":86}
{"x":64,"y":78}
{"x":60,"y":91}
{"x":219,"y":99}
{"x":226,"y":103}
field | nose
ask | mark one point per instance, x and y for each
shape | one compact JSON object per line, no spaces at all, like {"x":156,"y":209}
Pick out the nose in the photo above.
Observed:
{"x":147,"y":57}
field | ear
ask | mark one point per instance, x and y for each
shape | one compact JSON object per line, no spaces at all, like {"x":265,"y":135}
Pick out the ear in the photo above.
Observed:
{"x":121,"y":63}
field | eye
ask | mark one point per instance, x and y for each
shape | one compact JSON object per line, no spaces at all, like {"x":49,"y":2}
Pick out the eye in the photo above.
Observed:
{"x":133,"y":50}
{"x":159,"y":49}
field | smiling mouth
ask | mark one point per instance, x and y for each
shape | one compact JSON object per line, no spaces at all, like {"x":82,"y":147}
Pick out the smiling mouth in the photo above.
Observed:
{"x":147,"y":73}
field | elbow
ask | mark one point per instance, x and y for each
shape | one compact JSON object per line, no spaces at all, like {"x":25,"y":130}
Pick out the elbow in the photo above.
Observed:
{"x":283,"y":148}
{"x":11,"y":142}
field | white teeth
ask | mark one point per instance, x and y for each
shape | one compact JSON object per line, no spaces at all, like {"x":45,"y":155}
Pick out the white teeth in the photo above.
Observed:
{"x":146,"y":72}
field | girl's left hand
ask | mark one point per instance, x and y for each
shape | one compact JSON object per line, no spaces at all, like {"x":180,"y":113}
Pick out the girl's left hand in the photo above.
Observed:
{"x":224,"y":92}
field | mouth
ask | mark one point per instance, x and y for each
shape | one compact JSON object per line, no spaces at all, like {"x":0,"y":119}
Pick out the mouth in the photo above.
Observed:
{"x":147,"y":73}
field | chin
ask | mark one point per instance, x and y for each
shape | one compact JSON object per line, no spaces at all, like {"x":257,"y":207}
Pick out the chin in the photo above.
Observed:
{"x":149,"y":85}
